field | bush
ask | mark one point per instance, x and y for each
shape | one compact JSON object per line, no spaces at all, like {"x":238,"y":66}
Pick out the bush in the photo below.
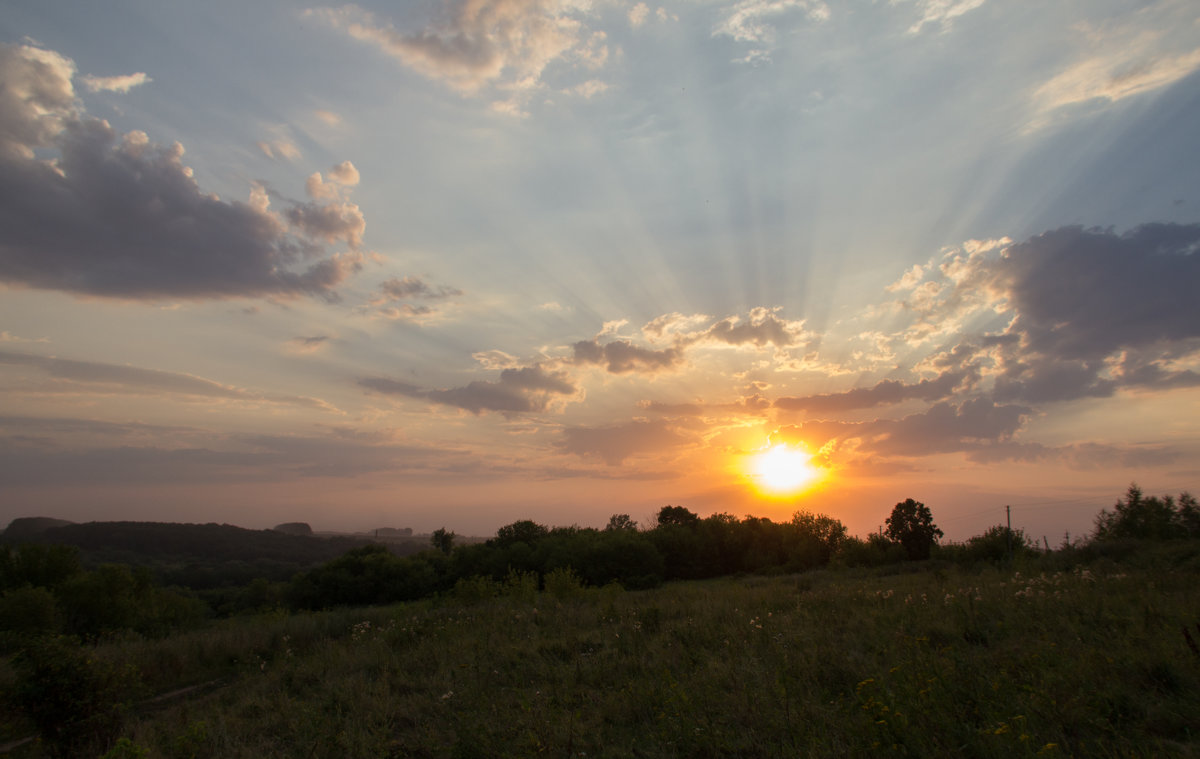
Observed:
{"x":78,"y":704}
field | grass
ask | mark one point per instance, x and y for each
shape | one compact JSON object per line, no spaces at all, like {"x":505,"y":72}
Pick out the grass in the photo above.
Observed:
{"x":990,"y":663}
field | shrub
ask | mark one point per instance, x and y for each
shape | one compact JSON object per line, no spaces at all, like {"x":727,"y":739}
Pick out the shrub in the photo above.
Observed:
{"x":78,"y":704}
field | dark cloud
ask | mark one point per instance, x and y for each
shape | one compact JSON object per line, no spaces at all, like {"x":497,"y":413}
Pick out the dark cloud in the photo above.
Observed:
{"x":1088,"y":312}
{"x":518,"y":390}
{"x":945,"y":428}
{"x":617,"y":442}
{"x":942,"y":428}
{"x":120,"y":216}
{"x":882,"y":393}
{"x":1085,"y":293}
{"x":754,"y":404}
{"x":414,"y":287}
{"x":622,"y":356}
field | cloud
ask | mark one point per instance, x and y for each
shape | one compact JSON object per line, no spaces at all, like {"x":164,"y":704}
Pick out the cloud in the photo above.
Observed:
{"x":121,"y":84}
{"x":1076,"y":312}
{"x":747,"y":21}
{"x":884,"y":392}
{"x":753,"y":404}
{"x":518,"y":390}
{"x":1081,"y":456}
{"x":394,"y":294}
{"x":329,"y":118}
{"x":763,"y":327}
{"x":622,"y":356}
{"x":638,"y":14}
{"x":940,"y":12}
{"x":341,"y":176}
{"x":8,"y":337}
{"x":503,"y":43}
{"x":945,"y":428}
{"x":615,"y":443}
{"x":308,"y":344}
{"x":1118,"y":73}
{"x":122,"y":217}
{"x":330,"y":222}
{"x":103,"y":377}
{"x":65,"y":454}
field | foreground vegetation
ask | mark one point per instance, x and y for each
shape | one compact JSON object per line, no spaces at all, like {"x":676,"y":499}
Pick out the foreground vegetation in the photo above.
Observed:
{"x":988,"y":649}
{"x":1084,"y":661}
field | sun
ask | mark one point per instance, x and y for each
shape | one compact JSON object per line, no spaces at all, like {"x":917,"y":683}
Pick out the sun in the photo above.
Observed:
{"x":783,"y":470}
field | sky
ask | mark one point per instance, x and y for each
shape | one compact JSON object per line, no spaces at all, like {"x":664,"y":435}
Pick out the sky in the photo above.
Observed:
{"x":456,"y":263}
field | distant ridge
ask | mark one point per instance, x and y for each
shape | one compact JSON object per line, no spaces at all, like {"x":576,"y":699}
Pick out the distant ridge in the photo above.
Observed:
{"x":294,"y":528}
{"x":208,"y":541}
{"x":25,"y":526}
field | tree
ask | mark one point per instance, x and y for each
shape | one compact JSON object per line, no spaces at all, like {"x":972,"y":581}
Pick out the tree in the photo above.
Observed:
{"x":911,"y":525}
{"x":443,"y":540}
{"x":1137,"y":516}
{"x":677,"y":516}
{"x":621,"y":522}
{"x":522,"y":531}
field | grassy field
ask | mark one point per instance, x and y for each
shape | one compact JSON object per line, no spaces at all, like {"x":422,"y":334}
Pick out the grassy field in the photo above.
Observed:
{"x":1085,"y":661}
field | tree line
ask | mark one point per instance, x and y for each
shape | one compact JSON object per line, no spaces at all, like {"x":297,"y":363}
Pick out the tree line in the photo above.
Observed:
{"x":45,"y":587}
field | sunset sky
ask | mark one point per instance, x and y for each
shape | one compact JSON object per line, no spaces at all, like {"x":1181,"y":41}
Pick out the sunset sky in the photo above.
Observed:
{"x":462,"y":262}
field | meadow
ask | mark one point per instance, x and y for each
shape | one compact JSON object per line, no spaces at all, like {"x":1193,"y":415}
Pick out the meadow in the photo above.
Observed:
{"x":1057,"y":655}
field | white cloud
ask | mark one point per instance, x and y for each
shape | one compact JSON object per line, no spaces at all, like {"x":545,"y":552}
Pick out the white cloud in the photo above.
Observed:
{"x":747,"y":21}
{"x":505,"y":44}
{"x":115,"y":83}
{"x":638,"y":14}
{"x":941,"y":12}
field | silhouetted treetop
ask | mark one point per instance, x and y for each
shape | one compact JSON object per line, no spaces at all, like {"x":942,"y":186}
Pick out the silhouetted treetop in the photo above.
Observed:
{"x":676,"y":516}
{"x":911,"y":525}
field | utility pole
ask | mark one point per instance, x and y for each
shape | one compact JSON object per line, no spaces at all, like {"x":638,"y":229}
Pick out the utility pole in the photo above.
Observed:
{"x":1008,"y":517}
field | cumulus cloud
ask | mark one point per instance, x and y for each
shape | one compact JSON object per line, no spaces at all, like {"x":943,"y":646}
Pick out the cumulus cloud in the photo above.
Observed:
{"x":763,"y":327}
{"x":503,"y":43}
{"x":518,"y":390}
{"x":120,"y":216}
{"x":622,"y":356}
{"x":1080,"y":312}
{"x":638,"y":14}
{"x":615,"y":443}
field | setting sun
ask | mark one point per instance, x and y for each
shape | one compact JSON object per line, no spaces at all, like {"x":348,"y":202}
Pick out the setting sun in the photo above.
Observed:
{"x":782,"y":469}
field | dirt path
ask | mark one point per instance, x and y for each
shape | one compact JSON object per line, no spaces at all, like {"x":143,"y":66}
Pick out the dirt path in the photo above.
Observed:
{"x":156,"y":701}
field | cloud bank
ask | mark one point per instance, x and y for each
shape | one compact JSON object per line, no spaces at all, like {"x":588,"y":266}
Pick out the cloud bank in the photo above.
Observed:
{"x":119,"y":216}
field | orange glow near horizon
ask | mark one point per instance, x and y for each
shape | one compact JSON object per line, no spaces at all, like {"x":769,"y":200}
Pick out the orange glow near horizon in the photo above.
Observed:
{"x":784,"y":470}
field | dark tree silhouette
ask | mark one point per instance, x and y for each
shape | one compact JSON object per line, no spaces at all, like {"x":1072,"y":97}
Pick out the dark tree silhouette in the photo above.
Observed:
{"x":911,"y":525}
{"x":621,"y":522}
{"x":676,"y":516}
{"x":443,"y":540}
{"x":521,"y":531}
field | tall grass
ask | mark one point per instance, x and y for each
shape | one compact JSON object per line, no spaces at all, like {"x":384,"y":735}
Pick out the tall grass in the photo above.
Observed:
{"x":986,"y":663}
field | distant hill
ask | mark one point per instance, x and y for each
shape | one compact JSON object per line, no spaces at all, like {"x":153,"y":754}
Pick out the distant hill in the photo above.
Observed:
{"x":22,"y":527}
{"x":195,"y":555}
{"x":294,"y":528}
